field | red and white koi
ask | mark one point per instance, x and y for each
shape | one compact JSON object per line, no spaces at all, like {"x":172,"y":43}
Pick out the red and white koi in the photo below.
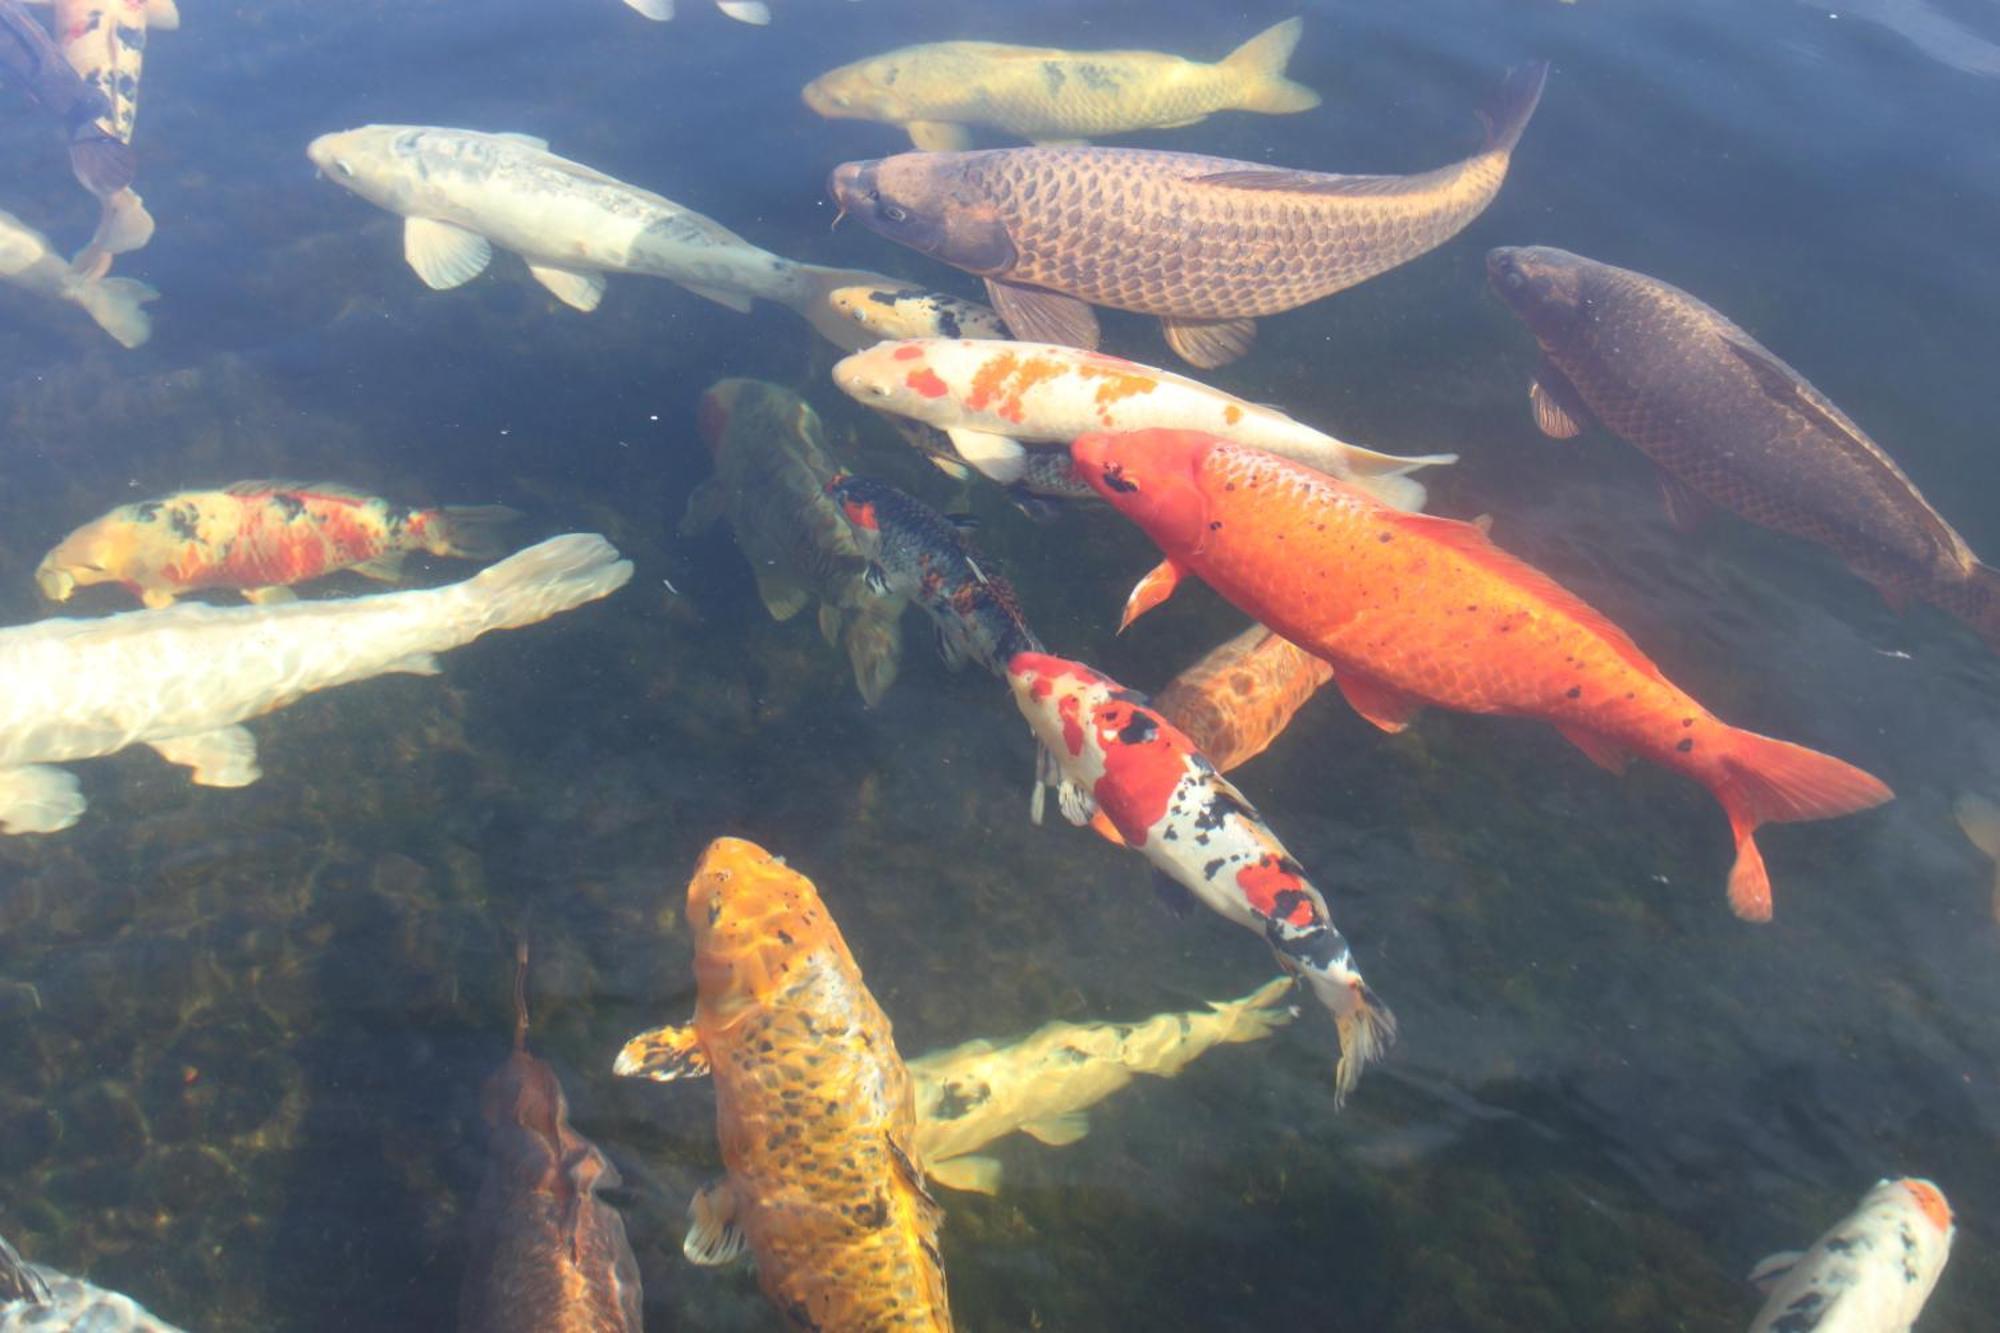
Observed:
{"x":1117,"y":756}
{"x":991,"y":397}
{"x":1871,"y":1273}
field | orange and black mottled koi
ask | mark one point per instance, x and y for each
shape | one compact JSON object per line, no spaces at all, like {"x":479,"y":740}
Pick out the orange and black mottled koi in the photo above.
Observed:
{"x":1118,"y":756}
{"x":915,"y":552}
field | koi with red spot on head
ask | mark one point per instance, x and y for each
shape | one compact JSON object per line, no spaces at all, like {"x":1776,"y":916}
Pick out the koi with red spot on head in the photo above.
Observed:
{"x":1110,"y":754}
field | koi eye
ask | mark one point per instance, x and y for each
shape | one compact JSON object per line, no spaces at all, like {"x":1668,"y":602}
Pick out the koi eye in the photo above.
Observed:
{"x":891,"y":213}
{"x":342,"y":166}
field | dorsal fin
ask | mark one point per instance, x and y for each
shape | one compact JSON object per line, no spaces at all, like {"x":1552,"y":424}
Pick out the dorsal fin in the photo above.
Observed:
{"x":1469,"y":541}
{"x":331,"y":489}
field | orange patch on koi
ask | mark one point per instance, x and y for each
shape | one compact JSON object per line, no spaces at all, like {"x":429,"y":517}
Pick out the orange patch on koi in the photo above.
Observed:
{"x":926,"y":382}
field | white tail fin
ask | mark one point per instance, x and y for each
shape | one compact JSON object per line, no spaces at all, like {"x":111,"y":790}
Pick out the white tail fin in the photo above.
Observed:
{"x":123,"y":225}
{"x":115,"y":304}
{"x":547,"y":579}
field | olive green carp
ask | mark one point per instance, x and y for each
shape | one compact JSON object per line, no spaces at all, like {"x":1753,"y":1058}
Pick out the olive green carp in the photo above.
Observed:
{"x":1207,"y":244}
{"x":1731,"y":426}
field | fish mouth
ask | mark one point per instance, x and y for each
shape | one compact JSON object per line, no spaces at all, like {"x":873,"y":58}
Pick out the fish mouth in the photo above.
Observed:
{"x":56,"y":584}
{"x":848,"y":185}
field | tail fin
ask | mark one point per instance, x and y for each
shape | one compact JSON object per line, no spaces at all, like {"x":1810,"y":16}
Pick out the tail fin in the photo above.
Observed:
{"x":813,"y":300}
{"x":18,"y":1282}
{"x":521,"y":994}
{"x":468,"y":532}
{"x":1775,"y":782}
{"x":557,"y":575}
{"x":1261,"y":64}
{"x":874,"y":649}
{"x":123,"y":225}
{"x":1367,"y":1029}
{"x":115,"y":304}
{"x":1975,"y":600}
{"x":1506,"y":115}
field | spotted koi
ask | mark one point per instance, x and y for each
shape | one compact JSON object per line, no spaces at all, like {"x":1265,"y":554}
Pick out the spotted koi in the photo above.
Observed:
{"x":260,"y":537}
{"x":1106,"y":750}
{"x":1871,"y":1273}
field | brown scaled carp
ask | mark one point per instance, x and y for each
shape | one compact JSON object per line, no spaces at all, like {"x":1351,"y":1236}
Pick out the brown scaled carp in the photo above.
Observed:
{"x":815,"y":1112}
{"x":1207,"y":244}
{"x":546,"y":1254}
{"x":1731,"y":426}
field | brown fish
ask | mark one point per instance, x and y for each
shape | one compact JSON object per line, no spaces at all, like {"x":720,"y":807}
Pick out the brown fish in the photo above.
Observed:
{"x":547,"y":1255}
{"x":1239,"y":698}
{"x":1731,"y":425}
{"x":1208,"y":244}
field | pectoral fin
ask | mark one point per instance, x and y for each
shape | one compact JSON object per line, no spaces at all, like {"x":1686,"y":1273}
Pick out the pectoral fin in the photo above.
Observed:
{"x":996,"y":456}
{"x":781,"y":596}
{"x":444,"y":255}
{"x":1037,"y":316}
{"x":973,"y":1175}
{"x":38,"y":799}
{"x":1058,"y":1130}
{"x":704,"y":509}
{"x":713,"y":1238}
{"x":384,"y":568}
{"x":663,"y":1055}
{"x":1077,"y":805}
{"x":1150,"y":591}
{"x":1209,"y":343}
{"x":275,"y":595}
{"x":1606,"y":754}
{"x":1687,"y":509}
{"x":1771,"y":1269}
{"x":575,"y":288}
{"x":225,"y":757}
{"x":939,"y":136}
{"x":1386,"y":706}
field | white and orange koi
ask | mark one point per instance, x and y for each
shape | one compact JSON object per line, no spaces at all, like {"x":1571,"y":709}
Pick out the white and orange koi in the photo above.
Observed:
{"x":1871,"y":1273}
{"x":1119,"y":756}
{"x":260,"y":537}
{"x":990,"y":397}
{"x":105,"y":42}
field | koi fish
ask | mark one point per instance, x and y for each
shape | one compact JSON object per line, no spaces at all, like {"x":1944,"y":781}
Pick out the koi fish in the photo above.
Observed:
{"x":911,"y":312}
{"x":183,"y":679}
{"x":1240,"y":697}
{"x":461,"y":192}
{"x":990,"y":397}
{"x":813,"y":1107}
{"x":1730,"y":425}
{"x":1206,"y":244}
{"x":771,"y":472}
{"x":38,"y":1299}
{"x":915,"y":552}
{"x":1111,"y":753}
{"x":29,"y":262}
{"x":36,"y":66}
{"x":977,"y":1092}
{"x":1980,"y":819}
{"x":935,"y":90}
{"x":260,"y":537}
{"x":1871,"y":1273}
{"x":105,"y":42}
{"x":1412,"y":610}
{"x":547,"y":1254}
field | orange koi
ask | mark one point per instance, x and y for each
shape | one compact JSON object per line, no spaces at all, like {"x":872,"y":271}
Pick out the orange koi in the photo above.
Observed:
{"x":1412,"y":610}
{"x":260,"y":537}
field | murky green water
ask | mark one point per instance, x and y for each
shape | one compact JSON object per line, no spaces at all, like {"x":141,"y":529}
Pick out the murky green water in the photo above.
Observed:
{"x":242,"y":1032}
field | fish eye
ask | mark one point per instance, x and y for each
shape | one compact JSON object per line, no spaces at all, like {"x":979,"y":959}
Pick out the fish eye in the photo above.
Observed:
{"x":891,"y":213}
{"x":341,"y":165}
{"x":879,"y":390}
{"x":1514,"y":279}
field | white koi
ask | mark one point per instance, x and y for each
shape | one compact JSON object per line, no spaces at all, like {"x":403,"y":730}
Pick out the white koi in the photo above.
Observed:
{"x":1871,"y":1273}
{"x":989,"y":398}
{"x":463,"y":192}
{"x":27,"y":261}
{"x":183,"y":679}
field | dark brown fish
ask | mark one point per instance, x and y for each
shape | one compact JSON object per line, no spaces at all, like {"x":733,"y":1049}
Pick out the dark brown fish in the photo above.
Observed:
{"x":1208,"y":244}
{"x":1731,"y":425}
{"x":547,"y":1255}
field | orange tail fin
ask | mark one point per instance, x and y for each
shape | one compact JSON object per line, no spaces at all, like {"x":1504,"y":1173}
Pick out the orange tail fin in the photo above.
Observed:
{"x":1775,"y":782}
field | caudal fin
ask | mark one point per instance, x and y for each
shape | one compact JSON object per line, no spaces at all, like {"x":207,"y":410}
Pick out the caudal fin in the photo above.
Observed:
{"x":813,"y":299}
{"x":1507,"y":114}
{"x":555,"y":576}
{"x":115,"y":304}
{"x":1258,"y":1014}
{"x":1367,"y":1029}
{"x":1260,"y":62}
{"x":1775,"y":782}
{"x":468,"y":532}
{"x":874,"y":647}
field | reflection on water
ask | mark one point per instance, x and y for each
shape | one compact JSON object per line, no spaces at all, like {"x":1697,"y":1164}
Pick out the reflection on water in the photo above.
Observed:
{"x":243,"y":1032}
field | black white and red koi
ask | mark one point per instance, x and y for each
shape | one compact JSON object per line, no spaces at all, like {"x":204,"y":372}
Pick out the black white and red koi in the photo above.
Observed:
{"x":915,"y":552}
{"x":1118,"y":756}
